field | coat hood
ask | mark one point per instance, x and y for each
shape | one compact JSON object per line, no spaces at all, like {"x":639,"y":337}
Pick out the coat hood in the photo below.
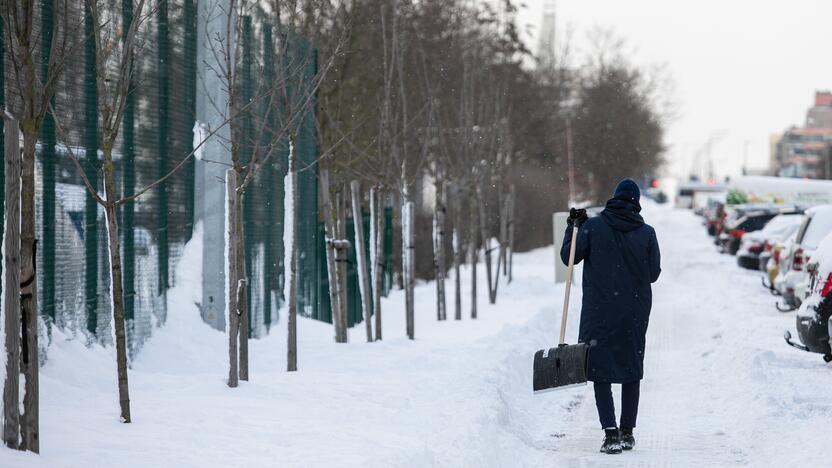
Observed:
{"x":622,"y":210}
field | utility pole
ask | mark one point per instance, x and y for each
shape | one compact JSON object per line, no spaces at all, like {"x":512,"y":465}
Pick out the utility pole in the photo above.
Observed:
{"x":570,"y":161}
{"x":745,"y":158}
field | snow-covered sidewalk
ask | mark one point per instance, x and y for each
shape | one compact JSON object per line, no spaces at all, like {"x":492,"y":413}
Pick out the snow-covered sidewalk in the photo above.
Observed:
{"x":721,"y":388}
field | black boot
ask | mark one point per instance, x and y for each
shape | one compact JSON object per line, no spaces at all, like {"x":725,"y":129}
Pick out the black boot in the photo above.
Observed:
{"x":627,"y":439}
{"x":612,"y":441}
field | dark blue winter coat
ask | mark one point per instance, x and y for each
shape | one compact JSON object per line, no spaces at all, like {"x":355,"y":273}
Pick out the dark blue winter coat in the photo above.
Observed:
{"x":621,"y":259}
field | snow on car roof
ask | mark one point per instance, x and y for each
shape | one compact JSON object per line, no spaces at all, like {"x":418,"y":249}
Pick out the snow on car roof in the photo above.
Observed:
{"x":819,"y":209}
{"x":823,"y":256}
{"x":781,"y":220}
{"x":781,"y":226}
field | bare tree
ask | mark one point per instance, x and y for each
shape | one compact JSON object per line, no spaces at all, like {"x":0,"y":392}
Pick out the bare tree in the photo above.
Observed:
{"x":334,"y":248}
{"x":290,"y":211}
{"x":391,"y":156}
{"x":363,"y":274}
{"x":377,"y":260}
{"x":115,"y":52}
{"x":32,"y":93}
{"x":290,"y":95}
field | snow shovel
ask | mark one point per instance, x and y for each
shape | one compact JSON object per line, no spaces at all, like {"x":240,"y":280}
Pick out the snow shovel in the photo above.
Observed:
{"x":563,"y":366}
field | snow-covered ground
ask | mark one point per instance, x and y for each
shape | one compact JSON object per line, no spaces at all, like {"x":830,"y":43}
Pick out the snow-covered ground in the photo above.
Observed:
{"x":721,"y":387}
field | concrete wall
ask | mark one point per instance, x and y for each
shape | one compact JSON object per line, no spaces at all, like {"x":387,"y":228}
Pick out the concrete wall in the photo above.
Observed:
{"x":211,"y":111}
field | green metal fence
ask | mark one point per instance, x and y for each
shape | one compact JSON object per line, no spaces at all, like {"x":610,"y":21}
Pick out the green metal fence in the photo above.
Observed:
{"x":323,"y":311}
{"x":157,"y":133}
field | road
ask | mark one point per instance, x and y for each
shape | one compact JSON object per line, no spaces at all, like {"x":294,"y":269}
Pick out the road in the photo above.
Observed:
{"x":720,"y":388}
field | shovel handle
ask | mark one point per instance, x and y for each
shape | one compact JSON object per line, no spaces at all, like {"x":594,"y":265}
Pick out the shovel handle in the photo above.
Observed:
{"x":569,"y":269}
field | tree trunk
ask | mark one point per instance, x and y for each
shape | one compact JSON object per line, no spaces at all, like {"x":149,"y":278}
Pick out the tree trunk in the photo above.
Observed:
{"x":439,"y":247}
{"x":377,"y":215}
{"x":231,"y":274}
{"x":242,"y":308}
{"x":502,"y":261}
{"x":486,"y":241}
{"x":457,"y":241}
{"x":28,"y":297}
{"x":341,"y":251}
{"x":361,"y":259}
{"x":512,"y":198}
{"x":242,"y":305}
{"x":292,"y":337}
{"x":28,"y":292}
{"x":11,"y":288}
{"x":398,"y":260}
{"x":407,"y":264}
{"x":292,"y":225}
{"x":331,"y":263}
{"x":292,"y":322}
{"x":472,"y":251}
{"x":116,"y":283}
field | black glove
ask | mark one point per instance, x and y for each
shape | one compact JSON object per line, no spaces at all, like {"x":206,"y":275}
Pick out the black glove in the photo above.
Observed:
{"x":577,"y":217}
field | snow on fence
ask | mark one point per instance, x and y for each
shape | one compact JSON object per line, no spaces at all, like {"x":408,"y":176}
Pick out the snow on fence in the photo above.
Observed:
{"x":158,"y":131}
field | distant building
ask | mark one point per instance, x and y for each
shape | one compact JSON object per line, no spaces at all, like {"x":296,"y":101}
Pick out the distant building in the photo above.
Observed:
{"x":773,"y":141}
{"x":805,"y":151}
{"x":820,"y":115}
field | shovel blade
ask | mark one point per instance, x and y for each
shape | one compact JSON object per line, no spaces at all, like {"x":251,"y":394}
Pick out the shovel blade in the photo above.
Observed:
{"x":560,"y":367}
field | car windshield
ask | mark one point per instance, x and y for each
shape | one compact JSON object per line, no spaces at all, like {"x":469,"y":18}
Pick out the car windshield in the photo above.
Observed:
{"x":755,"y":222}
{"x":818,"y":228}
{"x":786,"y":233}
{"x":781,"y":225}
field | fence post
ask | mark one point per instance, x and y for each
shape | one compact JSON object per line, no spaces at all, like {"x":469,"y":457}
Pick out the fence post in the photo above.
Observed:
{"x":128,"y":182}
{"x":190,"y":19}
{"x":91,"y":169}
{"x":163,"y":111}
{"x":248,"y":201}
{"x":269,"y":240}
{"x":48,"y":141}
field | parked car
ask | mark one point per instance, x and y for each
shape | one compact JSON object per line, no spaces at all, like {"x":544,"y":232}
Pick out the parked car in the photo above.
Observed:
{"x":782,"y":258}
{"x":757,"y":244}
{"x":744,"y":221}
{"x":794,"y":286}
{"x":714,"y":215}
{"x":813,"y":317}
{"x":777,"y":263}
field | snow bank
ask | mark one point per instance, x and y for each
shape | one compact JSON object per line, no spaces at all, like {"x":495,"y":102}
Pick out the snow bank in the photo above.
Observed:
{"x":721,"y":388}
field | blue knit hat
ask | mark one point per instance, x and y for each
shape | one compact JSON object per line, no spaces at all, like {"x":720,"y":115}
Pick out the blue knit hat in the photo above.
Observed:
{"x":627,"y":190}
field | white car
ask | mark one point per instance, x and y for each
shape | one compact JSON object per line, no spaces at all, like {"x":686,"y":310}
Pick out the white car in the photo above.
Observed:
{"x":755,"y":247}
{"x":817,"y":223}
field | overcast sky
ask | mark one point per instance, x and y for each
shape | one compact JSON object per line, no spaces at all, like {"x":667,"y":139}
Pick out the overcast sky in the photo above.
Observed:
{"x":742,"y":69}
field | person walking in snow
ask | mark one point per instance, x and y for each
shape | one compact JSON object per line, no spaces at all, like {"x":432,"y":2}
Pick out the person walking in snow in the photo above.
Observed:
{"x":621,"y":259}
